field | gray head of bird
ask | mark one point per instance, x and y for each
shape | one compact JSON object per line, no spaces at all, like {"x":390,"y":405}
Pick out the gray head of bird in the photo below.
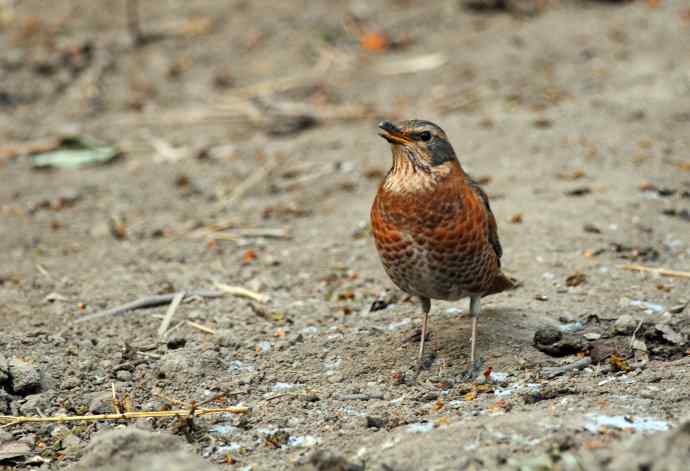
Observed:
{"x":423,"y":143}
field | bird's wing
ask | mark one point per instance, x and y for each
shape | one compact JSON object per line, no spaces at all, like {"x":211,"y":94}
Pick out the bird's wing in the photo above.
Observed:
{"x":491,"y":220}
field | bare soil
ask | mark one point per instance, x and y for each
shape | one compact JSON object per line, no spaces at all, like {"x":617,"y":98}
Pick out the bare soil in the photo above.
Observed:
{"x":261,"y":117}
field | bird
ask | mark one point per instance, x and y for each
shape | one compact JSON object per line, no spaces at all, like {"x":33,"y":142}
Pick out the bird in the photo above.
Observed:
{"x":433,"y":226}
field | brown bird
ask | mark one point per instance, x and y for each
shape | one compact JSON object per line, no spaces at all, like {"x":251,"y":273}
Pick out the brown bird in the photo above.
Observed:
{"x":433,"y":226}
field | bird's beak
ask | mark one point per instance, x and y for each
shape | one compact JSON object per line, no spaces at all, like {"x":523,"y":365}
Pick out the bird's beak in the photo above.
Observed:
{"x":393,"y":134}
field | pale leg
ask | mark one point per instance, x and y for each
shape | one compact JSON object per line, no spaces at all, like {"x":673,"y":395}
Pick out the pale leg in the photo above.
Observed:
{"x":426,"y":307}
{"x":475,"y":363}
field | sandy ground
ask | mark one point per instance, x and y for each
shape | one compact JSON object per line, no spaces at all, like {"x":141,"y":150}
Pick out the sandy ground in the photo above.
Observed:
{"x":261,"y":117}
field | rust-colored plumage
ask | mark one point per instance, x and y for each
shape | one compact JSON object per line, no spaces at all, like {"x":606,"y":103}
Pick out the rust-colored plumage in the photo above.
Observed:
{"x":433,"y":226}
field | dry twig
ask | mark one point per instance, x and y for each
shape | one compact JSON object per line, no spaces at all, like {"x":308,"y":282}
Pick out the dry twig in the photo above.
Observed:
{"x":237,"y":234}
{"x":177,"y":299}
{"x":358,"y":397}
{"x":552,"y":372}
{"x":8,"y":420}
{"x":11,"y":151}
{"x":412,"y":65}
{"x":241,"y":292}
{"x":658,"y":271}
{"x":133,"y":26}
{"x":202,"y":328}
{"x":147,"y":302}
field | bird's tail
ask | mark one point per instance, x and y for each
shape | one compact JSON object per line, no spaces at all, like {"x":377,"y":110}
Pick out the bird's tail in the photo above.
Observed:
{"x":503,"y":282}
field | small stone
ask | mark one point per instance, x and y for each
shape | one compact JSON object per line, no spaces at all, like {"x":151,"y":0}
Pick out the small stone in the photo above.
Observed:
{"x":33,"y":403}
{"x":226,"y":338}
{"x":677,"y":309}
{"x":71,"y":443}
{"x":336,"y":378}
{"x":26,"y":378}
{"x":123,"y":375}
{"x":323,"y":460}
{"x":174,"y":363}
{"x":101,"y":402}
{"x":152,"y":406}
{"x":13,"y":450}
{"x":4,"y":370}
{"x":547,"y":335}
{"x":625,"y":325}
{"x":70,"y":382}
{"x":670,"y":335}
{"x":210,"y":358}
{"x":176,"y":342}
{"x":552,"y":341}
{"x":592,"y":336}
{"x":374,"y":422}
{"x":5,"y":400}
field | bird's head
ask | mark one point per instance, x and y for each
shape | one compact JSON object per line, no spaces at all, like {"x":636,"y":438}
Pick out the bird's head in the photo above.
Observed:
{"x":423,"y":143}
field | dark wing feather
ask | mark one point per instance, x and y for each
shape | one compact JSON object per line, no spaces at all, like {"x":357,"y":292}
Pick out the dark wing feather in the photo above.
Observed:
{"x":493,"y":230}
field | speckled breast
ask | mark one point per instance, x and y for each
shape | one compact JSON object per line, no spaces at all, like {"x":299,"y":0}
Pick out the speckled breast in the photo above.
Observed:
{"x":434,"y":246}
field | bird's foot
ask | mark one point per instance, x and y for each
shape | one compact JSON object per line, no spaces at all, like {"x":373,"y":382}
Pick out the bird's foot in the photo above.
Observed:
{"x":416,"y":336}
{"x":424,"y":362}
{"x":473,"y":371}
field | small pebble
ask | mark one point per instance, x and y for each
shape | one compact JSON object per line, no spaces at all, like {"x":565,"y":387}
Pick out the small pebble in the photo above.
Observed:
{"x":101,"y":402}
{"x":4,"y":370}
{"x":26,"y":378}
{"x":123,"y":375}
{"x":677,"y":309}
{"x":336,"y":378}
{"x":176,"y":342}
{"x":374,"y":422}
{"x":625,"y":324}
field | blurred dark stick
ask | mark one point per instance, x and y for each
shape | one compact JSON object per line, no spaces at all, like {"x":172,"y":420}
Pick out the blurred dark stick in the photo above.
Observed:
{"x":552,"y":372}
{"x":148,"y":302}
{"x":133,"y":26}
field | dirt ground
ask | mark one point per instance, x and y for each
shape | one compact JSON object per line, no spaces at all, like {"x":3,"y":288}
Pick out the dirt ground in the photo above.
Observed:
{"x":250,"y":157}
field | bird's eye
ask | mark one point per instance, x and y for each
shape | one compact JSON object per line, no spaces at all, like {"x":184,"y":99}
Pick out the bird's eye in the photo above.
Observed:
{"x":425,"y":136}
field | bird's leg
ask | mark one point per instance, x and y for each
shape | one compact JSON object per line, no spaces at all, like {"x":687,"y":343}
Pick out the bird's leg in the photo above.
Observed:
{"x":475,"y":363}
{"x":426,"y":307}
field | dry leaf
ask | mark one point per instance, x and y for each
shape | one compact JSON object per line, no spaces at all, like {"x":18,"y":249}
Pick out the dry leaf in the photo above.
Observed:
{"x":646,"y":185}
{"x":571,"y":175}
{"x":501,"y":405}
{"x":248,"y":256}
{"x":593,"y":444}
{"x":438,"y":405}
{"x":197,"y":26}
{"x":684,"y":166}
{"x":576,"y":279}
{"x":619,"y":363}
{"x":374,"y":41}
{"x":441,"y":421}
{"x":580,"y":191}
{"x":471,"y":396}
{"x":516,"y":218}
